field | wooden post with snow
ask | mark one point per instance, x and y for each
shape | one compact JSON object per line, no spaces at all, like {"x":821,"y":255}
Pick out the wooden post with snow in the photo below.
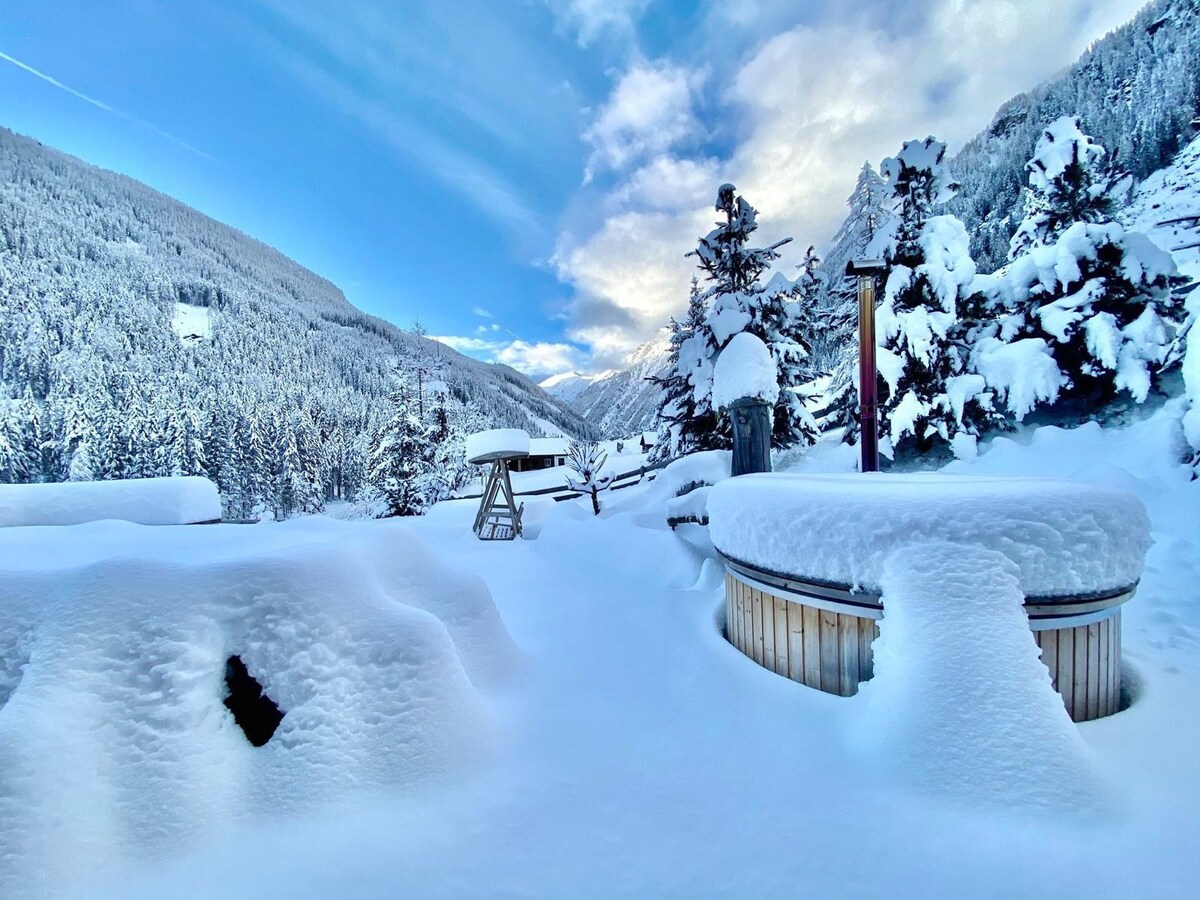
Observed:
{"x":751,"y":419}
{"x":746,"y":386}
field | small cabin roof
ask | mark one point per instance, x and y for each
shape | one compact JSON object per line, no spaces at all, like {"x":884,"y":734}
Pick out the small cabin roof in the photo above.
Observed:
{"x":548,"y":446}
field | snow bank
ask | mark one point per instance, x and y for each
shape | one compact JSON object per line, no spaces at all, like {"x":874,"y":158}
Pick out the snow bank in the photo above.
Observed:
{"x":744,"y":369}
{"x":507,"y":441}
{"x":1065,"y":537}
{"x":146,"y":501}
{"x":371,"y":646}
{"x":960,"y":704}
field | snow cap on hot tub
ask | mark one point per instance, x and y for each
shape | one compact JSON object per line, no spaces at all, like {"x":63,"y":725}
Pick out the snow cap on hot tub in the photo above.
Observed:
{"x":498,"y":443}
{"x":1065,"y":537}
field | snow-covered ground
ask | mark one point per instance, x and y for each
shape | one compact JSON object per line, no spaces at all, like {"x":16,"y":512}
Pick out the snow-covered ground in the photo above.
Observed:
{"x":635,"y":753}
{"x":191,"y":322}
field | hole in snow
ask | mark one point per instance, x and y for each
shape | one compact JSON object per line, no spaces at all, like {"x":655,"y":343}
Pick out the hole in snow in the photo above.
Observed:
{"x":1131,"y":686}
{"x":256,"y":714}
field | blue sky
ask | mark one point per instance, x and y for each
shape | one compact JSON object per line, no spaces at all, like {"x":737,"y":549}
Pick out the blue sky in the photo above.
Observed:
{"x":523,"y":175}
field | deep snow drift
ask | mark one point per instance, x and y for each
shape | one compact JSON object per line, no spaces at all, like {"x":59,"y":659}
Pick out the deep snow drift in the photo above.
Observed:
{"x":114,"y":741}
{"x":635,"y":754}
{"x":1064,"y":537}
{"x":961,"y":706}
{"x":146,"y":501}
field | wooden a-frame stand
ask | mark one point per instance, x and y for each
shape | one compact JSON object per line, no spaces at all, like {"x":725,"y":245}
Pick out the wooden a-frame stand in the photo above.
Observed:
{"x":499,"y":517}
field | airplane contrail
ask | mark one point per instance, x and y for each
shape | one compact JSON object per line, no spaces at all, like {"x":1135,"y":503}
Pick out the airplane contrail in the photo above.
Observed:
{"x":100,"y":104}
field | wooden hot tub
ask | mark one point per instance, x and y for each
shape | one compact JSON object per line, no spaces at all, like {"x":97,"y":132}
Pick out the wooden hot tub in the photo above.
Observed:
{"x":820,"y":635}
{"x":805,"y":557}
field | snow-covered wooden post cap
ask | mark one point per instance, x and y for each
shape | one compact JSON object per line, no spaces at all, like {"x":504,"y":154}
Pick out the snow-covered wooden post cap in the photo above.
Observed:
{"x":807,"y":558}
{"x":746,"y":385}
{"x":497,"y":443}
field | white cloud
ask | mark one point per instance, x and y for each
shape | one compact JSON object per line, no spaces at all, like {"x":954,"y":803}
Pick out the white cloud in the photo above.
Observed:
{"x":803,"y":109}
{"x":627,"y":277}
{"x":535,"y":359}
{"x":481,"y":312}
{"x":590,"y":19}
{"x":648,"y":112}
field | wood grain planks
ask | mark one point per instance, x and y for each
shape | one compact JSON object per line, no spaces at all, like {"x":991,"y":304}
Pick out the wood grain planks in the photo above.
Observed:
{"x":832,"y":651}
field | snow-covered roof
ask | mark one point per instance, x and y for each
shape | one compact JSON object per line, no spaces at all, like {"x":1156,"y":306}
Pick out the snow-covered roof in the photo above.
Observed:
{"x":548,"y":446}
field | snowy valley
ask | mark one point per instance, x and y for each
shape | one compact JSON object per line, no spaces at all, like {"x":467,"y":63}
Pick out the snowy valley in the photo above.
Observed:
{"x":298,"y":603}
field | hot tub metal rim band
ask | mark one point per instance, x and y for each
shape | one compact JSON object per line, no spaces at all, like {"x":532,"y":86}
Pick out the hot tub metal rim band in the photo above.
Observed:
{"x":1040,"y":609}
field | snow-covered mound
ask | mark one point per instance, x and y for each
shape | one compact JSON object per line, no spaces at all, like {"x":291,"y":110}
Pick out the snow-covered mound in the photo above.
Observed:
{"x":960,"y":704}
{"x":744,"y":369}
{"x":114,"y":641}
{"x":1064,"y":537}
{"x":146,"y":501}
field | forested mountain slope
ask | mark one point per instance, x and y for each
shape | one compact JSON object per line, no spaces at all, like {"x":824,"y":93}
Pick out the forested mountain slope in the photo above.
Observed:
{"x":270,"y":381}
{"x":621,"y":402}
{"x":1136,"y":90}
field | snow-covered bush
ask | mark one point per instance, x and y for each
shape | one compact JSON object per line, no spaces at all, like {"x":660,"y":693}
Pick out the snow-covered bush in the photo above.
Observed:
{"x":1092,"y":314}
{"x":922,"y":356}
{"x":585,"y":471}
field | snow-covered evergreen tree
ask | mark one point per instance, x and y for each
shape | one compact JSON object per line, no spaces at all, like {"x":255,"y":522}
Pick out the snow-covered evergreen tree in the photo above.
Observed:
{"x":683,"y":428}
{"x":1084,"y":304}
{"x":738,"y":301}
{"x":922,"y":357}
{"x":864,"y":233}
{"x":401,"y":465}
{"x":1067,"y":184}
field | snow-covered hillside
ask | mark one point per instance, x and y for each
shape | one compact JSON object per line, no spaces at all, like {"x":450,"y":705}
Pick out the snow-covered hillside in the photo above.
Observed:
{"x":139,"y":337}
{"x":567,"y":386}
{"x":618,"y":402}
{"x":1135,"y":89}
{"x":1166,"y":208}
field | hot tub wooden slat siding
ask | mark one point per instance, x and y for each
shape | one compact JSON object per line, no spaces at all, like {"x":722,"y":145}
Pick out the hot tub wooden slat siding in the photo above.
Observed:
{"x":830,"y":650}
{"x":823,"y":649}
{"x":1085,"y":666}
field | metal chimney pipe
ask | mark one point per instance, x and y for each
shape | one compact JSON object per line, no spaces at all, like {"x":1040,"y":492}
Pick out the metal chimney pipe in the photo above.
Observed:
{"x":867,"y":270}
